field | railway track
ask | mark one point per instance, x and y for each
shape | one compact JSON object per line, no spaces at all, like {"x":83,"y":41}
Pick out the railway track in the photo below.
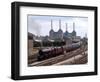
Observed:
{"x":78,"y":59}
{"x":57,"y":59}
{"x":83,"y":60}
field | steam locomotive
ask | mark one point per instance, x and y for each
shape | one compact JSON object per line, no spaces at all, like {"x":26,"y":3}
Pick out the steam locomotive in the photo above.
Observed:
{"x":53,"y":52}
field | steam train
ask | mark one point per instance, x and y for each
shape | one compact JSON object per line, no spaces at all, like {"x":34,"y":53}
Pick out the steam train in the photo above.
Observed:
{"x":53,"y":52}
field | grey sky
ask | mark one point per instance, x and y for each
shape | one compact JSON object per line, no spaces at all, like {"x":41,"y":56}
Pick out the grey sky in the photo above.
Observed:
{"x":41,"y":25}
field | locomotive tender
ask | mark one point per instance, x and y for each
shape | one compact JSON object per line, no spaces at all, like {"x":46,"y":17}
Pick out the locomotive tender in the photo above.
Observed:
{"x":56,"y":51}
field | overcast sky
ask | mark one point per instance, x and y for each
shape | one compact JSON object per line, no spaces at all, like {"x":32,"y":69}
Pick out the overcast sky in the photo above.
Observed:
{"x":41,"y":25}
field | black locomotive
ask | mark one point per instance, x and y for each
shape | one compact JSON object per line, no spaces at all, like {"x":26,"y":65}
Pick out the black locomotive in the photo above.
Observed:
{"x":53,"y":52}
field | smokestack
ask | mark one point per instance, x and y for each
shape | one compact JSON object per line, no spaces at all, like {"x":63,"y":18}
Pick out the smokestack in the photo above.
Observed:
{"x":66,"y":27}
{"x":85,"y":35}
{"x":51,"y":24}
{"x":59,"y":24}
{"x":73,"y":26}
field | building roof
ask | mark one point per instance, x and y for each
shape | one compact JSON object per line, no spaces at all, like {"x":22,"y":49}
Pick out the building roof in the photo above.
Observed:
{"x":30,"y":35}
